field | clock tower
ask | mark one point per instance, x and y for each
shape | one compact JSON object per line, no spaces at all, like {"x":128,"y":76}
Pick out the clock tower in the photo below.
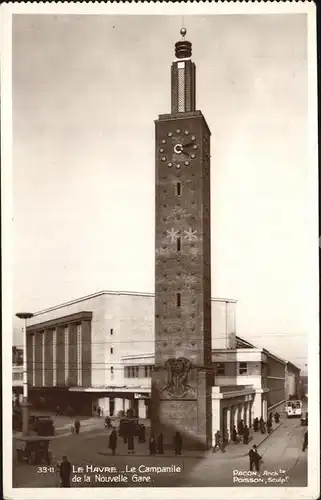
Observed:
{"x":182,"y":379}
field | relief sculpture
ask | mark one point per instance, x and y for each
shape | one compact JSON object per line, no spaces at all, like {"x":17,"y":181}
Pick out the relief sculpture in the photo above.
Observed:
{"x":178,"y":370}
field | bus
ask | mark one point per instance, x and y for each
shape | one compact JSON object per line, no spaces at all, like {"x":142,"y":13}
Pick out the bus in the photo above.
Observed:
{"x":293,"y":408}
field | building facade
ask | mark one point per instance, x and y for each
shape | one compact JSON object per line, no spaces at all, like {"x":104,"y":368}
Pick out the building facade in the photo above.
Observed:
{"x":89,"y":352}
{"x":292,"y":381}
{"x":99,"y":351}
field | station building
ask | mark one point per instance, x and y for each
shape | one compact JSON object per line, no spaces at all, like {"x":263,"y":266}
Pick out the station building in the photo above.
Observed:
{"x":98,"y":350}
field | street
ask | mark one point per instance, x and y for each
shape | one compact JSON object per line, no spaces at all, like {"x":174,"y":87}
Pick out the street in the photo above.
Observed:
{"x":284,"y":463}
{"x":281,"y":451}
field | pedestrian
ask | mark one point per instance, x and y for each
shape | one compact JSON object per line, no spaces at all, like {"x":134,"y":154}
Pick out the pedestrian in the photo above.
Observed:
{"x":226,"y":437}
{"x":160,"y":444}
{"x":217,"y":441}
{"x":113,"y":441}
{"x":256,"y":424}
{"x":305,"y":441}
{"x":234,"y":435}
{"x":131,"y":445}
{"x":269,"y":426}
{"x":246,"y":434}
{"x":276,"y":417}
{"x":178,"y":443}
{"x":255,"y":458}
{"x":58,"y":412}
{"x":98,"y":411}
{"x":65,"y":472}
{"x":152,"y":445}
{"x":77,"y":426}
{"x":262,"y":425}
{"x":240,"y":427}
{"x":140,"y":433}
{"x":143,"y":435}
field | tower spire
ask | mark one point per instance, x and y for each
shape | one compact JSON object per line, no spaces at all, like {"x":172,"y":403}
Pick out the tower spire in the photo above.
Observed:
{"x":183,"y":77}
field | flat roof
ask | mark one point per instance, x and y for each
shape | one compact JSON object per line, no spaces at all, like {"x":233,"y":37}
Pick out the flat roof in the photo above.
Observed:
{"x":112,"y":292}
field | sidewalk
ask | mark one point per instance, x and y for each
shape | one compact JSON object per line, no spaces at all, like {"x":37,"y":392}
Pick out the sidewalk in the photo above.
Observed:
{"x":239,"y":450}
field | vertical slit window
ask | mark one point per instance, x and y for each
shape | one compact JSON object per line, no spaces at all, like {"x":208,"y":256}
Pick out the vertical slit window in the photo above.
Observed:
{"x":43,"y":359}
{"x":79,"y":356}
{"x":178,"y":300}
{"x":178,"y":243}
{"x":66,"y":355}
{"x":111,"y":331}
{"x":33,"y":360}
{"x":54,"y":357}
{"x":178,"y":188}
{"x":111,"y":350}
{"x":112,"y":372}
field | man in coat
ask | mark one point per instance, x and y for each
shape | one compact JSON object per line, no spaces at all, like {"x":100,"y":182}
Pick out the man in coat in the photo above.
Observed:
{"x":65,"y":472}
{"x":77,"y":426}
{"x":305,"y":441}
{"x":255,"y":458}
{"x":113,"y":441}
{"x":246,"y":434}
{"x":218,"y":442}
{"x":152,"y":445}
{"x":160,"y":444}
{"x":178,"y":443}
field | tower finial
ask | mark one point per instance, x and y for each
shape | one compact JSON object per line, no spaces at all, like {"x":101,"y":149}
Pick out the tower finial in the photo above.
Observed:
{"x":183,"y":48}
{"x":183,"y":32}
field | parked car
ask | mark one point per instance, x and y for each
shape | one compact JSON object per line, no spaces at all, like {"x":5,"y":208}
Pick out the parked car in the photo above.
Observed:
{"x":129,"y":426}
{"x":43,"y":425}
{"x":34,"y":450}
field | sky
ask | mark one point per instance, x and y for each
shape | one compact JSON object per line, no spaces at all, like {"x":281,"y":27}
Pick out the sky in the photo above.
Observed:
{"x":86,"y":92}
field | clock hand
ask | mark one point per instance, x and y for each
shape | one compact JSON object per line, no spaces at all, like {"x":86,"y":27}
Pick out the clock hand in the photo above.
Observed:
{"x":189,"y":144}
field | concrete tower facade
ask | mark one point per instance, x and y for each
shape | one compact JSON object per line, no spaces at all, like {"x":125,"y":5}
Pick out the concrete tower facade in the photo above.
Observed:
{"x":182,"y":378}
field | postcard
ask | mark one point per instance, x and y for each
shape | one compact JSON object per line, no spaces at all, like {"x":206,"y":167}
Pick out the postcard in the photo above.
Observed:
{"x":160,"y":250}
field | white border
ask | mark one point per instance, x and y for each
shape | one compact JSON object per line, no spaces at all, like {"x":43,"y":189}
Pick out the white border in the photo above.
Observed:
{"x":312,"y":491}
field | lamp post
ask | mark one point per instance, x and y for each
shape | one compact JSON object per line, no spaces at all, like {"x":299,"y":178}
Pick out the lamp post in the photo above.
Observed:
{"x":25,"y":417}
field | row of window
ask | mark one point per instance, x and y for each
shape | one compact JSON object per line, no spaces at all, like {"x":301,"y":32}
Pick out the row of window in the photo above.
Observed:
{"x":54,"y":356}
{"x":220,"y":369}
{"x":142,"y":371}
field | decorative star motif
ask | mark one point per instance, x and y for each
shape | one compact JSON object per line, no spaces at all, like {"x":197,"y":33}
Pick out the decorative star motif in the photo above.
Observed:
{"x":161,"y":251}
{"x":178,"y":212}
{"x":173,"y":234}
{"x":190,"y":234}
{"x":190,"y":280}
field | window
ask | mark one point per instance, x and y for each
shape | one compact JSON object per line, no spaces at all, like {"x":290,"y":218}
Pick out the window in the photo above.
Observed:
{"x":126,"y":372}
{"x":178,"y":300}
{"x":178,"y":188}
{"x":54,"y":357}
{"x":111,"y":350}
{"x":43,"y":343}
{"x":178,"y":242}
{"x":111,"y":331}
{"x":112,"y":372}
{"x":66,"y":354}
{"x":79,"y":356}
{"x":220,"y":369}
{"x":33,"y":360}
{"x":147,"y":370}
{"x":243,"y":368}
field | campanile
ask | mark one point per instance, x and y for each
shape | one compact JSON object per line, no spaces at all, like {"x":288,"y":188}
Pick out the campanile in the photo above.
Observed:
{"x":181,"y":380}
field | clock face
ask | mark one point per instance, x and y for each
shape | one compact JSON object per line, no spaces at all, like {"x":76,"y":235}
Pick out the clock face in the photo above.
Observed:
{"x":178,"y":149}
